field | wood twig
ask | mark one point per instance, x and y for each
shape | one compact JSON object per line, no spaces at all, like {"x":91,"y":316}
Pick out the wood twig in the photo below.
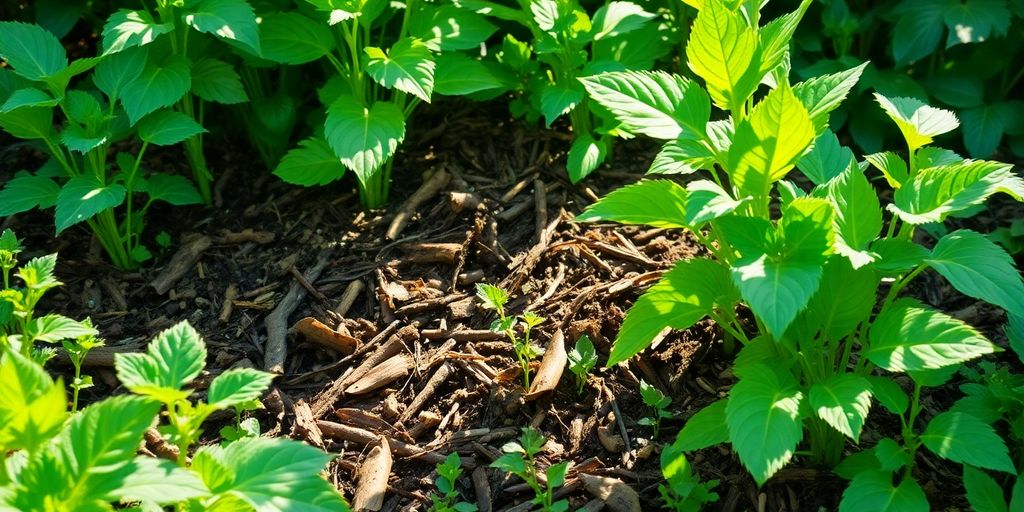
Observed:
{"x":276,"y":322}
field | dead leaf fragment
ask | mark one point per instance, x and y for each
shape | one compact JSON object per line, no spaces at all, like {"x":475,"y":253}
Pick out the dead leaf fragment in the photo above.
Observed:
{"x":551,"y":367}
{"x":372,"y":478}
{"x":381,"y":375}
{"x":317,"y":332}
{"x":617,"y":496}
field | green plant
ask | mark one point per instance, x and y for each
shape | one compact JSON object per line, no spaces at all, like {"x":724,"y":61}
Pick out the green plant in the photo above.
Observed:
{"x":658,"y":402}
{"x":582,"y":358}
{"x":1010,"y":237}
{"x":448,"y":472}
{"x":125,"y":100}
{"x":77,"y":348}
{"x":495,"y":298}
{"x":816,"y":357}
{"x":520,"y":460}
{"x":684,"y":492}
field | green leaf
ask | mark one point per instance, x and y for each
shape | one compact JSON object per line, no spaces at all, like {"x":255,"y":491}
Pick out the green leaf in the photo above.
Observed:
{"x":32,"y":405}
{"x":858,"y":215}
{"x":450,"y":27}
{"x":408,"y":66}
{"x":983,"y":130}
{"x":29,"y":123}
{"x":897,"y":256}
{"x":585,"y":156}
{"x":775,"y":37}
{"x":979,"y":268}
{"x":965,"y":439}
{"x":174,"y":358}
{"x":556,"y":474}
{"x":115,"y":72}
{"x":907,"y":336}
{"x":705,"y":429}
{"x":874,"y":490}
{"x":653,"y":103}
{"x":975,"y":21}
{"x":937,"y":192}
{"x":173,"y":189}
{"x":821,"y":95}
{"x":457,"y":75}
{"x":842,"y":401}
{"x":126,"y":29}
{"x":492,"y":297}
{"x":291,"y":38}
{"x":889,"y":394}
{"x":836,"y":315}
{"x":168,"y":127}
{"x":557,"y":99}
{"x":826,"y":159}
{"x":657,"y":203}
{"x":227,"y":19}
{"x":216,"y":81}
{"x":617,"y":18}
{"x":684,"y":295}
{"x":158,"y":481}
{"x":682,"y":156}
{"x":364,"y":138}
{"x":918,"y":122}
{"x":891,"y":455}
{"x":159,"y":85}
{"x":81,"y":139}
{"x":919,"y":29}
{"x":38,"y":273}
{"x":707,"y":201}
{"x":892,"y":166}
{"x":723,"y":50}
{"x":763,"y":415}
{"x":26,"y":192}
{"x":312,"y":163}
{"x":236,"y":386}
{"x":983,"y":492}
{"x":83,"y":197}
{"x":53,"y":327}
{"x":31,"y":51}
{"x":28,"y":97}
{"x":769,"y":143}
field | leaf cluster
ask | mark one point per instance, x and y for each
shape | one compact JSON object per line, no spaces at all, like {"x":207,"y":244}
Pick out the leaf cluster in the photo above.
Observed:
{"x":517,"y":328}
{"x":448,"y":472}
{"x":520,"y":459}
{"x":581,"y":360}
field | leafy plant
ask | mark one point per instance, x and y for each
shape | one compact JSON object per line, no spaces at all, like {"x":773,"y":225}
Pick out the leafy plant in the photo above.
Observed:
{"x":817,"y":357}
{"x":1010,"y":237}
{"x":684,"y":492}
{"x":520,"y":460}
{"x":126,"y":100}
{"x":582,"y":358}
{"x":495,"y":298}
{"x":448,"y":472}
{"x":658,"y":402}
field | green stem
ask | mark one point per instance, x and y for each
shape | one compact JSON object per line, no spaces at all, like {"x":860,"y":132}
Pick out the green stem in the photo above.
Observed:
{"x":899,"y":284}
{"x":910,"y":439}
{"x":129,"y":232}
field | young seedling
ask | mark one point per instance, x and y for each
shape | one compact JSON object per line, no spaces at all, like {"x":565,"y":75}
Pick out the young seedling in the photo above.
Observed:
{"x":77,"y":349}
{"x":495,"y":298}
{"x":684,"y":492}
{"x":448,"y":472}
{"x":9,"y":249}
{"x":582,"y":359}
{"x":520,"y":460}
{"x":658,"y":402}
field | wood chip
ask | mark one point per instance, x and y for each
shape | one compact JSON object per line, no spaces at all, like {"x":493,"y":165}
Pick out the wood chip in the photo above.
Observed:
{"x":372,"y":478}
{"x":181,"y":263}
{"x":381,"y":375}
{"x":424,"y":253}
{"x":551,"y":367}
{"x":617,"y":496}
{"x":317,"y":332}
{"x":430,"y":187}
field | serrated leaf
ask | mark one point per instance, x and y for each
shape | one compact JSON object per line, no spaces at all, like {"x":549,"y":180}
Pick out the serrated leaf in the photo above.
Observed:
{"x":892,"y":166}
{"x":706,"y":201}
{"x":115,"y":72}
{"x":28,"y":97}
{"x":408,"y":66}
{"x":291,"y":38}
{"x":975,"y":21}
{"x":919,"y":29}
{"x":216,"y":81}
{"x":82,"y":197}
{"x":826,"y":159}
{"x":874,"y":490}
{"x":858,"y":215}
{"x":32,"y":405}
{"x":227,"y":19}
{"x":937,"y":192}
{"x":821,"y":95}
{"x":979,"y":268}
{"x":705,"y":429}
{"x":983,"y":130}
{"x":653,"y":103}
{"x":364,"y":138}
{"x":723,"y":50}
{"x":769,"y":143}
{"x":682,"y":156}
{"x":312,"y":163}
{"x":158,"y":481}
{"x":450,"y":27}
{"x":456,"y":75}
{"x":585,"y":156}
{"x":26,"y":192}
{"x":657,"y":203}
{"x":173,"y":189}
{"x":53,"y":327}
{"x":168,"y":127}
{"x":491,"y":297}
{"x":843,"y":401}
{"x":889,"y":394}
{"x":557,"y":99}
{"x":983,"y":492}
{"x":174,"y":358}
{"x":617,"y":18}
{"x":836,"y":315}
{"x":31,"y":51}
{"x":907,"y":336}
{"x":238,"y":385}
{"x":775,"y":37}
{"x":81,"y":139}
{"x":29,"y":123}
{"x":763,"y":415}
{"x":159,"y":85}
{"x":963,"y":438}
{"x":918,"y":122}
{"x":126,"y":28}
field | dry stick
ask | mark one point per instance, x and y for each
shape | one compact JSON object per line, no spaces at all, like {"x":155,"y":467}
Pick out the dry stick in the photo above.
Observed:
{"x":364,"y":348}
{"x":349,"y":296}
{"x":229,"y":297}
{"x":428,"y":189}
{"x":181,"y":263}
{"x":100,"y":357}
{"x":518,"y":187}
{"x":463,"y":335}
{"x":482,"y":488}
{"x":307,"y":285}
{"x":439,"y":377}
{"x":340,"y":432}
{"x":429,"y":304}
{"x":277,"y":321}
{"x":540,"y":208}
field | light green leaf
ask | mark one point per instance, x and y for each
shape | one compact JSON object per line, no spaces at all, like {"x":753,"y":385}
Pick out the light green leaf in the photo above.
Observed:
{"x":28,"y":97}
{"x":227,"y":19}
{"x":979,"y":268}
{"x":858,"y":215}
{"x":115,"y":72}
{"x":874,"y":490}
{"x":174,"y":358}
{"x":705,"y":429}
{"x":963,"y":438}
{"x":158,"y":481}
{"x":492,"y":297}
{"x":585,"y":156}
{"x":682,"y":156}
{"x":983,"y":492}
{"x":842,"y":401}
{"x":168,"y":127}
{"x":763,"y":415}
{"x":821,"y":95}
{"x":26,"y":192}
{"x":364,"y":138}
{"x":775,"y":37}
{"x":159,"y":85}
{"x":918,"y":122}
{"x":907,"y":336}
{"x":892,"y":166}
{"x":32,"y":405}
{"x":31,"y":51}
{"x":557,"y":99}
{"x":617,"y":18}
{"x":706,"y":201}
{"x":684,"y":295}
{"x":653,"y":103}
{"x":768,"y":144}
{"x":826,"y":159}
{"x":657,"y":203}
{"x":408,"y":66}
{"x":938,"y":192}
{"x":53,"y":327}
{"x":238,"y":385}
{"x":291,"y":38}
{"x":83,"y":197}
{"x":723,"y":50}
{"x":126,"y":28}
{"x":173,"y":189}
{"x":312,"y":163}
{"x":216,"y":81}
{"x":450,"y":27}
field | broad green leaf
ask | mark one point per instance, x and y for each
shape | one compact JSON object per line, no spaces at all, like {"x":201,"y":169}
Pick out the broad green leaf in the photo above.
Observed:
{"x":126,"y":28}
{"x":158,"y":481}
{"x":174,"y":358}
{"x":979,"y":268}
{"x":457,"y":75}
{"x":821,"y":95}
{"x":32,"y":405}
{"x":874,"y":490}
{"x":216,"y":81}
{"x":53,"y":327}
{"x":168,"y":127}
{"x":159,"y":85}
{"x":889,"y":394}
{"x":82,"y":197}
{"x":763,"y":415}
{"x":617,"y":18}
{"x":682,"y":156}
{"x":683,"y":296}
{"x":115,"y":72}
{"x":38,"y":273}
{"x":584,"y":157}
{"x":291,"y":38}
{"x":892,"y":166}
{"x":492,"y":297}
{"x":723,"y":50}
{"x":897,"y":256}
{"x":918,"y":122}
{"x":907,"y":336}
{"x":963,"y":438}
{"x":858,"y":215}
{"x":557,"y":99}
{"x":657,"y":203}
{"x":919,"y":29}
{"x":408,"y":66}
{"x":983,"y":130}
{"x":1015,"y":333}
{"x":842,"y":401}
{"x":81,"y":139}
{"x":449,"y":27}
{"x":31,"y":51}
{"x":983,"y":492}
{"x":550,"y":15}
{"x":236,"y":386}
{"x":836,"y":315}
{"x":775,"y":37}
{"x":706,"y":201}
{"x":312,"y":163}
{"x":957,"y":89}
{"x":937,"y":192}
{"x":769,"y":143}
{"x":83,"y":108}
{"x":891,"y":455}
{"x":705,"y":429}
{"x":975,"y":21}
{"x":173,"y":189}
{"x":826,"y":159}
{"x":857,"y":463}
{"x":26,"y":192}
{"x":29,"y":123}
{"x":364,"y":138}
{"x":653,"y":103}
{"x":227,"y":19}
{"x":28,"y":97}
